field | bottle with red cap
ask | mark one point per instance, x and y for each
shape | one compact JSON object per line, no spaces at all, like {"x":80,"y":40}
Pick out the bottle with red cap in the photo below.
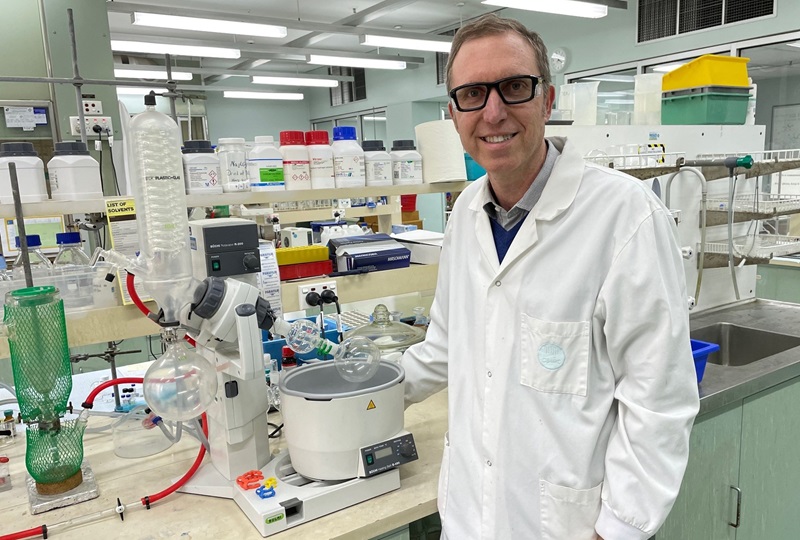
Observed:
{"x":5,"y":474}
{"x":320,"y":157}
{"x":288,"y":361}
{"x":296,"y":170}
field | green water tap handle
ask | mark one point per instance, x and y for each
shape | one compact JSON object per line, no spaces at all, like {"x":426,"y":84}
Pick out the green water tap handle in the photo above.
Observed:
{"x":744,"y":162}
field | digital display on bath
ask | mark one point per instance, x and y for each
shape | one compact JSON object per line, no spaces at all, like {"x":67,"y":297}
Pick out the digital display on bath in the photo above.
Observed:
{"x":383,"y":452}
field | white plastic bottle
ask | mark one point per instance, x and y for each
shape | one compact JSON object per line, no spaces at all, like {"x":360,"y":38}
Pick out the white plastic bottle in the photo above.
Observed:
{"x":348,"y":158}
{"x":265,"y":165}
{"x":73,"y":273}
{"x":73,"y":173}
{"x":201,"y":168}
{"x":406,"y":163}
{"x":320,"y":156}
{"x":30,"y":173}
{"x":378,"y":164}
{"x":156,"y":170}
{"x":296,"y":167}
{"x":40,"y":264}
{"x":233,"y":164}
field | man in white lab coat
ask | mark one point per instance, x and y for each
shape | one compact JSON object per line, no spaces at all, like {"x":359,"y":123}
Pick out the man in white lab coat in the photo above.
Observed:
{"x":560,"y":323}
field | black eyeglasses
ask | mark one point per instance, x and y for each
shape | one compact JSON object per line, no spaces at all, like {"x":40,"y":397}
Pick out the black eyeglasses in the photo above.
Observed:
{"x":512,"y":90}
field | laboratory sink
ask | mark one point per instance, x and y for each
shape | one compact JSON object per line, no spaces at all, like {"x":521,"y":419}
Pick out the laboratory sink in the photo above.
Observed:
{"x":742,"y":345}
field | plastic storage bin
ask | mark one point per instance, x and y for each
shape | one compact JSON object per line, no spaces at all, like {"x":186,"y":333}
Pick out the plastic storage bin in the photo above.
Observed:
{"x":706,"y":108}
{"x":708,"y":70}
{"x":700,"y":352}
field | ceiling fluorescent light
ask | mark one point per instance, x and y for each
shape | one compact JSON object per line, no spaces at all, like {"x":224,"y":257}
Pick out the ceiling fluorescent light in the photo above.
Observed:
{"x":666,"y":68}
{"x":207,"y":25}
{"x":176,"y":50}
{"x":610,"y":78}
{"x":406,"y":43}
{"x":261,"y":95}
{"x":558,"y":7}
{"x":138,"y":90}
{"x":375,"y":118}
{"x":295,"y":81}
{"x":355,"y":62}
{"x":151,"y":74}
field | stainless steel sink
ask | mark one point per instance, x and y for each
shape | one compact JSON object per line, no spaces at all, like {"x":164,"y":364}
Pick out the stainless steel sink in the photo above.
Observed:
{"x":741,"y":345}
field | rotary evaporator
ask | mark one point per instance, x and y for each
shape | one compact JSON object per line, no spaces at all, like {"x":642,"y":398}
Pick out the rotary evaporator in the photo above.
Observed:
{"x":343,"y":419}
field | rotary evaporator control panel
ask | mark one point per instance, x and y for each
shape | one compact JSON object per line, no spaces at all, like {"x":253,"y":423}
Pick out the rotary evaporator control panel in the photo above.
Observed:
{"x":387,"y":455}
{"x":224,"y":247}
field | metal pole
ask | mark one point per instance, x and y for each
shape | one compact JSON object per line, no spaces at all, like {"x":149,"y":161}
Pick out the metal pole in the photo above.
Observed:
{"x":20,"y":221}
{"x":172,"y":112}
{"x":48,"y":62}
{"x":113,"y":363}
{"x":76,"y":73}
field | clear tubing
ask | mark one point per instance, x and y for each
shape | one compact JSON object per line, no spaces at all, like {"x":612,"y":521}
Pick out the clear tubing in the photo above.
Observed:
{"x":731,"y":266}
{"x":89,"y":518}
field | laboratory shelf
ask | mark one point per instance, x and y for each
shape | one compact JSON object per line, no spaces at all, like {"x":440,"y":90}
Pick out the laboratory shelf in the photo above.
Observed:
{"x":751,"y":207}
{"x":355,"y":288}
{"x":104,"y":324}
{"x":259,"y":212}
{"x":758,"y":249}
{"x":57,"y":208}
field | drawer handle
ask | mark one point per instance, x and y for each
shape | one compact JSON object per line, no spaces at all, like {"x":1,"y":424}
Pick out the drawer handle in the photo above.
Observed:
{"x":738,"y":508}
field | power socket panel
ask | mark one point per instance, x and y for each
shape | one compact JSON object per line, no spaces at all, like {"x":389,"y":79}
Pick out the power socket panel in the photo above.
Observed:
{"x":92,"y":106}
{"x":305,"y":288}
{"x":90,"y":121}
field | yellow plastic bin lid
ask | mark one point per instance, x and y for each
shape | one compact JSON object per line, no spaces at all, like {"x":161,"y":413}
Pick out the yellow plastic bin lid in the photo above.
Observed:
{"x":708,"y":70}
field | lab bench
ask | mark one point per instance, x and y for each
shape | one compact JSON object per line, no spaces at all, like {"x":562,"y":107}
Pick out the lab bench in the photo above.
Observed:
{"x":184,"y":517}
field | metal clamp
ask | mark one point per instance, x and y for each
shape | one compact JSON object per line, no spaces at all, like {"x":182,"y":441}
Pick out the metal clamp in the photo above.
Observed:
{"x":738,"y":508}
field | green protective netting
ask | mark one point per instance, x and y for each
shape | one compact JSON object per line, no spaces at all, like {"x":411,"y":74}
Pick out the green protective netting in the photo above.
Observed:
{"x":39,"y":352}
{"x":53,"y":456}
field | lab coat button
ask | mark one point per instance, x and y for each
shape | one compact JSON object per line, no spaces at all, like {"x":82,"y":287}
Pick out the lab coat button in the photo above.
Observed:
{"x":497,"y":283}
{"x":489,"y":373}
{"x":488,"y":463}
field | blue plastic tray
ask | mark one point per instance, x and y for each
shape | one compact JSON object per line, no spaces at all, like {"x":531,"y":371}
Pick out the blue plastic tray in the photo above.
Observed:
{"x":275,"y":347}
{"x":700,"y":352}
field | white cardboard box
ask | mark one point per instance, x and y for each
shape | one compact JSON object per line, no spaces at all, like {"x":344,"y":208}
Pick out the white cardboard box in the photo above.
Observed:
{"x":425,"y":246}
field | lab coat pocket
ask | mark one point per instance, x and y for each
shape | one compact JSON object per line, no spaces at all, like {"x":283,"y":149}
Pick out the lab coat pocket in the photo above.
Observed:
{"x":568,"y":513}
{"x":555,"y":355}
{"x":444,"y":475}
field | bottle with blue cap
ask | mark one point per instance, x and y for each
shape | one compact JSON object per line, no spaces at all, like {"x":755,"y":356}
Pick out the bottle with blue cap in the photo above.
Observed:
{"x":73,"y":273}
{"x":40,"y":264}
{"x":349,"y":167}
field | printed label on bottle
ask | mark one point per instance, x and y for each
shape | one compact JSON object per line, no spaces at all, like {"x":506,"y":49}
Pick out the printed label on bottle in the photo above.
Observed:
{"x":379,"y":171}
{"x":202,"y":176}
{"x":322,"y":173}
{"x":348,"y":167}
{"x":296,"y":174}
{"x":408,"y":171}
{"x":53,"y":180}
{"x":265,"y":172}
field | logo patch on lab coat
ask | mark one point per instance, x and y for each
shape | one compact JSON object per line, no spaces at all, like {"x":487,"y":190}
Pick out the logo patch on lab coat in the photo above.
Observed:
{"x":551,"y":356}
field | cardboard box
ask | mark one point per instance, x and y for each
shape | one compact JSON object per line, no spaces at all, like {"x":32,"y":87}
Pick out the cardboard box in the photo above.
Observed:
{"x":410,"y":216}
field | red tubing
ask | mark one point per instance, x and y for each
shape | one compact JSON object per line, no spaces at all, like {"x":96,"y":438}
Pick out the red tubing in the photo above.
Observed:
{"x":102,"y":386}
{"x":134,"y":296}
{"x":150,"y":499}
{"x":30,"y":533}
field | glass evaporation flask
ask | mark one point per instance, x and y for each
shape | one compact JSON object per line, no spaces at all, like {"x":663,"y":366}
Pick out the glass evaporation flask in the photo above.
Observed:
{"x":356,"y":358}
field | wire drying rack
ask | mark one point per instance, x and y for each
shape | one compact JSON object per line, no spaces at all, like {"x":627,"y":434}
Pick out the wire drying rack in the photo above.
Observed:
{"x":752,"y":249}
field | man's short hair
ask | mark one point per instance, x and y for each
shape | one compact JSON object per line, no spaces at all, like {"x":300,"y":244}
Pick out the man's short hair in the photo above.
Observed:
{"x":492,"y":25}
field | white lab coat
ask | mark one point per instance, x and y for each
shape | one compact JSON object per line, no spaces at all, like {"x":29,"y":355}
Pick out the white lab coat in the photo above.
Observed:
{"x":572,"y":389}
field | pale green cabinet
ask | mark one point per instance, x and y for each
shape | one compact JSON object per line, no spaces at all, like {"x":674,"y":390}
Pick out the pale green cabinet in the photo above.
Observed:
{"x":753,"y":445}
{"x":770,"y":464}
{"x":706,"y":503}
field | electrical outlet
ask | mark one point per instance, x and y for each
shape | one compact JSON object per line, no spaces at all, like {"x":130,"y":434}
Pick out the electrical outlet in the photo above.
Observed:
{"x":89,"y":121}
{"x":92,"y":106}
{"x":305,"y":288}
